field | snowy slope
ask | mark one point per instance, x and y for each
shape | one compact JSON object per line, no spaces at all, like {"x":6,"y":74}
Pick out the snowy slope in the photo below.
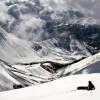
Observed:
{"x":21,"y":74}
{"x":33,"y":73}
{"x":87,"y":65}
{"x":12,"y":48}
{"x":61,"y":89}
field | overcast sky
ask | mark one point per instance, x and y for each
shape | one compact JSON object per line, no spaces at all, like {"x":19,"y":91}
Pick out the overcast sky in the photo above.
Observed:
{"x":90,"y":7}
{"x":30,"y":22}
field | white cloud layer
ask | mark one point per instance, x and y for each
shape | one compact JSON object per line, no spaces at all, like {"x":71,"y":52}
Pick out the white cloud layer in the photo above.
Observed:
{"x":24,"y":19}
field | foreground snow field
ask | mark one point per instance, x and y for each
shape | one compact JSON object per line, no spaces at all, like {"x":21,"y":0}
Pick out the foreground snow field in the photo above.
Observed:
{"x":61,"y":89}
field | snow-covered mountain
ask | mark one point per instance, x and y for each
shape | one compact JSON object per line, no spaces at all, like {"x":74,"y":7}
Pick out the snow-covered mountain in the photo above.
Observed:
{"x":43,"y":40}
{"x":43,"y":29}
{"x":13,"y":48}
{"x":34,"y":73}
{"x":86,"y":66}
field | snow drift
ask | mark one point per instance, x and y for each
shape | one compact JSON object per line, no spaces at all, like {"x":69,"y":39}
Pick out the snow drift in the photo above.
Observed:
{"x":61,"y":89}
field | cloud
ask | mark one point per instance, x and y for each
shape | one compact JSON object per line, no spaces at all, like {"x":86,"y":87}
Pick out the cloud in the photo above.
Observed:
{"x":89,"y":7}
{"x":25,"y":21}
{"x":4,"y":17}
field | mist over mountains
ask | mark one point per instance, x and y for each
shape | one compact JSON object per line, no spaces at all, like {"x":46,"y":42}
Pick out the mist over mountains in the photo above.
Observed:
{"x":40,"y":37}
{"x":48,"y":23}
